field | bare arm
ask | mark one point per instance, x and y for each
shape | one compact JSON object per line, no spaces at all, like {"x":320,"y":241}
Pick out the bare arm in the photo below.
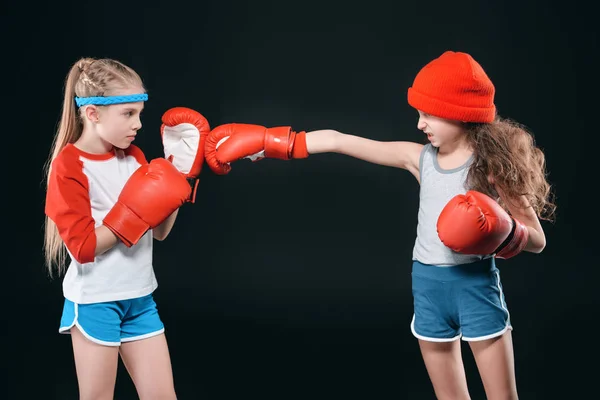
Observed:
{"x":105,"y":240}
{"x":403,"y":155}
{"x":521,"y":209}
{"x":162,"y":231}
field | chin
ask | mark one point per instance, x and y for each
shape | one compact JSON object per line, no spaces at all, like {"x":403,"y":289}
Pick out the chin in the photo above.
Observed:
{"x":123,"y":146}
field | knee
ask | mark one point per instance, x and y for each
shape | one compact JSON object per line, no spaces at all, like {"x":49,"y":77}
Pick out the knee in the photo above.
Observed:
{"x":158,"y":395}
{"x":452,"y":395}
{"x":507,"y":395}
{"x":96,"y":394}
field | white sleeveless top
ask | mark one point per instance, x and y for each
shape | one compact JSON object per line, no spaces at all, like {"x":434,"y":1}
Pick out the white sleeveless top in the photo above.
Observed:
{"x":438,"y":186}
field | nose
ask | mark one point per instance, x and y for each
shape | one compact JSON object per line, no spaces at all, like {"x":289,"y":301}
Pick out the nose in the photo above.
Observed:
{"x":421,"y":125}
{"x":138,"y":124}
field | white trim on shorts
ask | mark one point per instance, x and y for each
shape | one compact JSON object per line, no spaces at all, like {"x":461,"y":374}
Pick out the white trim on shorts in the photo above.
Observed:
{"x":490,"y":336}
{"x":66,"y":330}
{"x":144,"y":336}
{"x":429,"y":339}
{"x":506,"y":328}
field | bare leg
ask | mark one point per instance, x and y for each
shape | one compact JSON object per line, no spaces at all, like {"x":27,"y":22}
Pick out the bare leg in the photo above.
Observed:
{"x":496,"y":365}
{"x":96,"y":367}
{"x":149,"y":365}
{"x":444,"y":364}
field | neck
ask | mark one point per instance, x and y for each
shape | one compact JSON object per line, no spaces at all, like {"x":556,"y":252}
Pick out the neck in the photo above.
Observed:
{"x":459,"y":146}
{"x":91,"y":143}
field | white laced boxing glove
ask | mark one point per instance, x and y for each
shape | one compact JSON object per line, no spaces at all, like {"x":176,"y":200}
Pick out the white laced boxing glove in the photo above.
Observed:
{"x":184,"y":133}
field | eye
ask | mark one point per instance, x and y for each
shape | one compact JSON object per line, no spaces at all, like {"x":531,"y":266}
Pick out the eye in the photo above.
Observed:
{"x":128,"y":113}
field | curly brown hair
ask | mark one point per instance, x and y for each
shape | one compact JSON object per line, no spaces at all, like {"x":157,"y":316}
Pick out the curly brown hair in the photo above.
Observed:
{"x":506,"y":157}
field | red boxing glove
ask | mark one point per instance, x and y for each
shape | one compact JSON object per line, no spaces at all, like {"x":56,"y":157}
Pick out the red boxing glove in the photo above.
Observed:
{"x":515,"y":242}
{"x":183,"y":132}
{"x":231,"y":142}
{"x":474,"y":223}
{"x":152,"y":193}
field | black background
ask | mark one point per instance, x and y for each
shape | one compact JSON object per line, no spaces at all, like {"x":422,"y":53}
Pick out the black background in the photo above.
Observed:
{"x":291,"y":279}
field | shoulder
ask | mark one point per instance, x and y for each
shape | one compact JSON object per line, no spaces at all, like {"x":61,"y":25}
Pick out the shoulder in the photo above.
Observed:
{"x":67,"y":162}
{"x":411,"y":150}
{"x":409,"y":156}
{"x":428,"y":147}
{"x":425,"y":149}
{"x":66,"y":177}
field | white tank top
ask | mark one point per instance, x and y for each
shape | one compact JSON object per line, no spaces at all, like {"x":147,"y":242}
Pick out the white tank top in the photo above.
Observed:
{"x":438,"y":186}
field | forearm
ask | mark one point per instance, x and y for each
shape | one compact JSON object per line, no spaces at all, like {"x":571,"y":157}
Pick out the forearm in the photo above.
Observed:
{"x":328,"y":140}
{"x":322,"y":141}
{"x":523,"y":212}
{"x":162,"y":231}
{"x":537,"y":240}
{"x":398,"y":154}
{"x":105,"y":240}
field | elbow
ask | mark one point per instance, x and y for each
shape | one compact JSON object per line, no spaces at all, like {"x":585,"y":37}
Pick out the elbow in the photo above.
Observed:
{"x":84,"y":258}
{"x":86,"y":251}
{"x":159,"y":234}
{"x":535,"y":250}
{"x":159,"y":237}
{"x":537,"y":245}
{"x":335,"y":141}
{"x":540,"y":247}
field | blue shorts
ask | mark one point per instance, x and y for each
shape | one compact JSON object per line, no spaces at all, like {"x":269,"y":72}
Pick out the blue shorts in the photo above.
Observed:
{"x":113,"y":322}
{"x":459,"y":301}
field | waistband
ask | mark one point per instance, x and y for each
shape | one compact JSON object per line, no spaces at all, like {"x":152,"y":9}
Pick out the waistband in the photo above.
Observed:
{"x":460,"y":271}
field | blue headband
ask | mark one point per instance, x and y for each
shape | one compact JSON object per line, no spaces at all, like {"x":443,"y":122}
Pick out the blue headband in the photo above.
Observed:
{"x":106,"y":100}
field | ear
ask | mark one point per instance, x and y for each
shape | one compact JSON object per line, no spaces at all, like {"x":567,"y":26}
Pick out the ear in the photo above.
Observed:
{"x":92,"y":113}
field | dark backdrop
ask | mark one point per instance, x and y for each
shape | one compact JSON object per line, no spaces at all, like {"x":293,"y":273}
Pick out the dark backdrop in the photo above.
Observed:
{"x":291,"y":280}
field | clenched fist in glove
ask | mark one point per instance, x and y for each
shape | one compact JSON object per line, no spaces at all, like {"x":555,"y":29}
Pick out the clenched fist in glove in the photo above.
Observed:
{"x":231,"y":142}
{"x":474,"y":223}
{"x":184,"y":133}
{"x":152,"y":193}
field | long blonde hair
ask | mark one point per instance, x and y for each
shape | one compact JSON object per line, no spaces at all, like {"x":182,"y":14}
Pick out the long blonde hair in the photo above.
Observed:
{"x":87,"y":77}
{"x":505,"y":151}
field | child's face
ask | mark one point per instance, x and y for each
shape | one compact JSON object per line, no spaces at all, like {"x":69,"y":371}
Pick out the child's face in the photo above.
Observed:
{"x":440,"y":131}
{"x":119,"y":123}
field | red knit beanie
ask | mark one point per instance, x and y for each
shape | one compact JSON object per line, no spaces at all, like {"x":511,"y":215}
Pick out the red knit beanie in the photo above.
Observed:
{"x":454,"y":86}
